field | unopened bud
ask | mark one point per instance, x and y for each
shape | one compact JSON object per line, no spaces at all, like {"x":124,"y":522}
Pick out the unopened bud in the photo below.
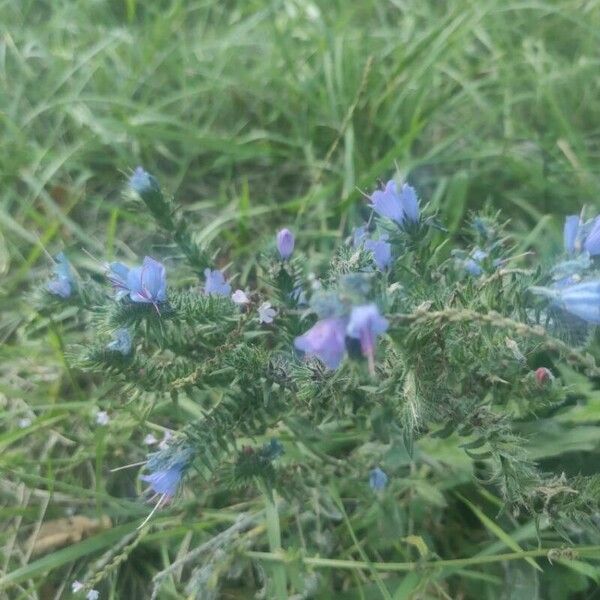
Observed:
{"x":543,"y":376}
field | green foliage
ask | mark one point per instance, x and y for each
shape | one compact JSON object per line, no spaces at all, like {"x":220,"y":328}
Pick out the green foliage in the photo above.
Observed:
{"x":260,"y":114}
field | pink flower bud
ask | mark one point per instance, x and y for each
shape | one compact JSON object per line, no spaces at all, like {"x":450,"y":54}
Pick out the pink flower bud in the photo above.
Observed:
{"x":543,"y":376}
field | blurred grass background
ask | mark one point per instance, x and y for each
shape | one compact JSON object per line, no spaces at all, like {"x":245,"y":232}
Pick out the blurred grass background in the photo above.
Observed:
{"x":255,"y":114}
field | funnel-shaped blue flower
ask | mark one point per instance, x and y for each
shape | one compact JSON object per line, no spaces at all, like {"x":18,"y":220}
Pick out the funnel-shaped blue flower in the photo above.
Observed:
{"x":148,"y":283}
{"x":325,"y":340}
{"x":398,"y":205}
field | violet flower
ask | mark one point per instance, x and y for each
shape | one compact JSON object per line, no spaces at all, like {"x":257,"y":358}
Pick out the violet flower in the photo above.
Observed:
{"x":285,"y":243}
{"x":365,"y":325}
{"x":215,"y":283}
{"x":325,"y":340}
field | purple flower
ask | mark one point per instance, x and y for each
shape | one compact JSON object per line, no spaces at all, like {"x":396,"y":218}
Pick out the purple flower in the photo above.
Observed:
{"x":121,"y":342}
{"x":399,"y":206}
{"x":382,"y":252}
{"x":285,"y":243}
{"x":62,"y":283}
{"x":215,"y":283}
{"x":377,"y":479}
{"x":148,"y":283}
{"x":325,"y":340}
{"x":142,"y":182}
{"x":365,"y":325}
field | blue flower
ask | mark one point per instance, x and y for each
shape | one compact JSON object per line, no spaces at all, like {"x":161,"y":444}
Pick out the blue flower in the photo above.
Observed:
{"x":167,"y":468}
{"x":166,"y":481}
{"x":359,"y":236}
{"x":215,"y":283}
{"x":121,"y":342}
{"x":117,"y":274}
{"x":580,"y":299}
{"x":285,"y":243}
{"x":381,"y":248}
{"x":382,"y":252}
{"x":472,"y":265}
{"x":148,"y":283}
{"x":145,"y":284}
{"x":571,"y":229}
{"x":142,"y":182}
{"x":62,"y":283}
{"x":399,"y":206}
{"x":377,"y":479}
{"x":365,"y":325}
{"x":592,"y":241}
{"x":582,"y":236}
{"x":325,"y":340}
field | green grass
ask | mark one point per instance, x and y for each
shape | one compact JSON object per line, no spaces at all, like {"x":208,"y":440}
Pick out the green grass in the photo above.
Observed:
{"x":257,"y":114}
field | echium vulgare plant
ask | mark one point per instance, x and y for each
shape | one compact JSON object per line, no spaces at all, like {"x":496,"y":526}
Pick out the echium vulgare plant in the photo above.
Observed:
{"x":326,"y":386}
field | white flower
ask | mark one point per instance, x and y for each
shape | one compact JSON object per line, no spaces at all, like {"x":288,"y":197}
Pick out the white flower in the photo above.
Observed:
{"x":93,"y":595}
{"x":150,"y":440}
{"x":266,"y":313}
{"x":102,"y":418}
{"x":76,"y":586}
{"x":24,"y":422}
{"x":240,"y":297}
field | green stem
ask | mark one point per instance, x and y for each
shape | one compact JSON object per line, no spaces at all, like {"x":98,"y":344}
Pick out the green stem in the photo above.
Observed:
{"x":332,"y":563}
{"x":274,"y":537}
